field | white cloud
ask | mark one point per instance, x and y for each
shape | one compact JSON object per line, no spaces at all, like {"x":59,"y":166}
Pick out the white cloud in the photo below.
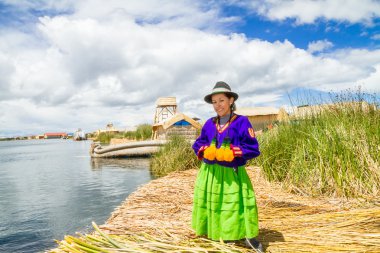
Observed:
{"x":308,"y":11}
{"x":99,"y":65}
{"x":179,"y":13}
{"x":319,"y":46}
{"x":376,"y":37}
{"x":372,"y":82}
{"x":6,"y":71}
{"x":368,"y":60}
{"x":183,"y":13}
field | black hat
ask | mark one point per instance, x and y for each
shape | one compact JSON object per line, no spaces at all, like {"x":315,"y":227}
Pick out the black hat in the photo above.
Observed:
{"x":221,"y":87}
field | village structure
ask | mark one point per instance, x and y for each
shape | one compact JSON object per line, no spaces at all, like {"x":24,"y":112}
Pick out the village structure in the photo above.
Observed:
{"x":169,"y":121}
{"x":262,"y":118}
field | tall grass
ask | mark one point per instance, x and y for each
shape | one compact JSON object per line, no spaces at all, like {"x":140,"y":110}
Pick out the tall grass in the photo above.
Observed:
{"x":105,"y":137}
{"x":143,"y":132}
{"x":330,"y":151}
{"x":176,"y":155}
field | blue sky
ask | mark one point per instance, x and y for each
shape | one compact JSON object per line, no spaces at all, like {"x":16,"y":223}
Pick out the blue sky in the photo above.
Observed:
{"x":93,"y":63}
{"x":341,"y":33}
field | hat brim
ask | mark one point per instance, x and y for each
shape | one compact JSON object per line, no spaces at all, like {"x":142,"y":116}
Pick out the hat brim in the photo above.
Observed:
{"x":209,"y":96}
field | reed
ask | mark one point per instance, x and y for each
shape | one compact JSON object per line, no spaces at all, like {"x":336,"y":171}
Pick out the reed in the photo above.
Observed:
{"x":143,"y":132}
{"x":157,"y":217}
{"x":106,"y":137}
{"x":176,"y":155}
{"x":327,"y":150}
{"x":142,"y":242}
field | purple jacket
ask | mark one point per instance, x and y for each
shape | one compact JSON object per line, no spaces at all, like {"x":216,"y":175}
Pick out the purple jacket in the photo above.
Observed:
{"x":242,"y":137}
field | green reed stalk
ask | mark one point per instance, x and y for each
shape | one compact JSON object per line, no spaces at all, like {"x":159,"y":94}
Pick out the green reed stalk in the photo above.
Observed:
{"x":334,"y":151}
{"x":176,"y":155}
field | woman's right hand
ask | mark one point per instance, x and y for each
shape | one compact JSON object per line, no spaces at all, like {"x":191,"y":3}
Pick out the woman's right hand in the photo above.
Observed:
{"x":201,"y":152}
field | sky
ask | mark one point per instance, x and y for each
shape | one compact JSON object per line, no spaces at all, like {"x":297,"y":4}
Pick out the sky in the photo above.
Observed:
{"x":69,"y":64}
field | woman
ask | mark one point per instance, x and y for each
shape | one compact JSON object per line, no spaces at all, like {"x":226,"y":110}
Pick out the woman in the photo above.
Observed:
{"x":224,"y":200}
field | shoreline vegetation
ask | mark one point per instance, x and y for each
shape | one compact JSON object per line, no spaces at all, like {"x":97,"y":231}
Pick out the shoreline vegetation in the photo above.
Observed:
{"x":176,"y":155}
{"x":142,"y":132}
{"x":331,"y":150}
{"x":317,"y":184}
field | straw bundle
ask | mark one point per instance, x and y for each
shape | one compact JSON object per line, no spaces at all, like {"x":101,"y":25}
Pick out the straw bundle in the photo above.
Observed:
{"x":129,"y":242}
{"x":156,"y":218}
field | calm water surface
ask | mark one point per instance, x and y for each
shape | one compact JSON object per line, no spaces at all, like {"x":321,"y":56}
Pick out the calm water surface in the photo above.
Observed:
{"x":49,"y":188}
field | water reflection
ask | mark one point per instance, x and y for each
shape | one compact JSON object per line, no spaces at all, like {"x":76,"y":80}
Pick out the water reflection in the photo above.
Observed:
{"x":52,"y":188}
{"x":98,"y":164}
{"x":128,"y":163}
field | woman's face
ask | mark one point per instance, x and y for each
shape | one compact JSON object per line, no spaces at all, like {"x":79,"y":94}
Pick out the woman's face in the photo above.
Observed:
{"x":222,"y":104}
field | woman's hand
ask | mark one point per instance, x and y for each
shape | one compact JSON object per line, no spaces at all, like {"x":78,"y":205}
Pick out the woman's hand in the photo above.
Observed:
{"x":201,"y":152}
{"x":237,"y":152}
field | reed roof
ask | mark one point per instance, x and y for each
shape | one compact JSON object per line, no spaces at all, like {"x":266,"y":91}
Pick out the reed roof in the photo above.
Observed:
{"x":166,"y":101}
{"x":174,"y":119}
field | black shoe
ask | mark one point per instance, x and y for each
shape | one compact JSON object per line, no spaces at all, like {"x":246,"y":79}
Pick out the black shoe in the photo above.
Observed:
{"x":254,"y":244}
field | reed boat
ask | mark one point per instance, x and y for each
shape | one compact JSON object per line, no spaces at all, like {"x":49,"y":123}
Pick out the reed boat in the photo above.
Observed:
{"x":130,"y":149}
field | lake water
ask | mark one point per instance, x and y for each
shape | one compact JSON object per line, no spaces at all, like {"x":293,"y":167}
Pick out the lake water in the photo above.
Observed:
{"x":50,"y":188}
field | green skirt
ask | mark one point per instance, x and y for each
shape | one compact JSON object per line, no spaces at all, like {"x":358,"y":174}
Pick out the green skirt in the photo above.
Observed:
{"x":224,"y":204}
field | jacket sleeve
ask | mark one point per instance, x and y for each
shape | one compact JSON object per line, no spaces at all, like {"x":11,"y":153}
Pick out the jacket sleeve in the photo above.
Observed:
{"x":202,"y":142}
{"x":248,"y":142}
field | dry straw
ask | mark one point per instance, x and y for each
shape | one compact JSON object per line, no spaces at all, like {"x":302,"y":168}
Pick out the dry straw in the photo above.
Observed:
{"x":156,"y":218}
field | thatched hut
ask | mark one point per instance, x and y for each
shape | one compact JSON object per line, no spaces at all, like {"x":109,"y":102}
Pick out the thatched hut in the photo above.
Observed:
{"x":109,"y":129}
{"x":263,"y":117}
{"x":179,"y":124}
{"x":166,"y":107}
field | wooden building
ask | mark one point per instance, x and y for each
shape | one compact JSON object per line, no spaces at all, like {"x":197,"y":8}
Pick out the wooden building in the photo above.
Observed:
{"x":55,"y":135}
{"x":178,"y":124}
{"x":166,"y":107}
{"x":263,"y":117}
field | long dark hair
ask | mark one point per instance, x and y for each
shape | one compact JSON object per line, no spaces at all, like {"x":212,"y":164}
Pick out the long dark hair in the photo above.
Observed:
{"x":233,"y":106}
